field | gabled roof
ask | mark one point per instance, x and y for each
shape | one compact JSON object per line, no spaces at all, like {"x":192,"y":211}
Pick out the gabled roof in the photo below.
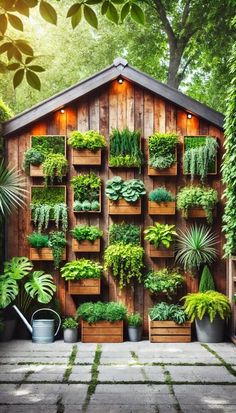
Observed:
{"x":120,"y":67}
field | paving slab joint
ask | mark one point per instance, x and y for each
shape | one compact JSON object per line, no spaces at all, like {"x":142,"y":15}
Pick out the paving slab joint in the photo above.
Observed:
{"x":228,"y":366}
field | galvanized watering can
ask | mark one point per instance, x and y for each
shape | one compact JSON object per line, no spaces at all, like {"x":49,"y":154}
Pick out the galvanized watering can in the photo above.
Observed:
{"x":42,"y":330}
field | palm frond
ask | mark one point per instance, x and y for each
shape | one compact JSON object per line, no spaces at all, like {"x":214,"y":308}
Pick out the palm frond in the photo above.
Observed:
{"x":12,"y":189}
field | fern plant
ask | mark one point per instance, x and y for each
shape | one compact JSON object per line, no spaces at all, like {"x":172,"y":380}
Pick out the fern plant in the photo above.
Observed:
{"x":209,"y":303}
{"x":199,"y":156}
{"x":161,"y":194}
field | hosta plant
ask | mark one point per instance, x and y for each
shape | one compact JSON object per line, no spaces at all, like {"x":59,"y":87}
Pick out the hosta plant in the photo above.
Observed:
{"x":86,"y":233}
{"x":90,"y":140}
{"x":125,"y":148}
{"x":162,"y":147}
{"x":54,"y":165}
{"x":130,"y":190}
{"x":168,"y":312}
{"x":161,"y":194}
{"x":164,"y":281}
{"x":160,"y":235}
{"x":82,"y":268}
{"x":124,"y":233}
{"x":209,"y":303}
{"x":199,"y":155}
{"x":94,"y":312}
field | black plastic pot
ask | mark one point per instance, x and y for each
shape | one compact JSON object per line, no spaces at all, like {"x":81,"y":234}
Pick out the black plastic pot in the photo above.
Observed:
{"x":208,"y":332}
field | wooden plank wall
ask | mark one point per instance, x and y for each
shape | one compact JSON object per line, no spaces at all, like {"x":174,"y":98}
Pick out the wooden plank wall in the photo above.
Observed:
{"x":114,"y":106}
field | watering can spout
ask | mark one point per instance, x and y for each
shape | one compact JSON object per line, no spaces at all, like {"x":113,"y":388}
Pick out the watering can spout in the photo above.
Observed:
{"x":23,"y":318}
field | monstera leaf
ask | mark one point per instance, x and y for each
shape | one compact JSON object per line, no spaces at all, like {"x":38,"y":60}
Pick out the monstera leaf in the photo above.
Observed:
{"x":41,"y":287}
{"x":8,"y":290}
{"x":17,"y":268}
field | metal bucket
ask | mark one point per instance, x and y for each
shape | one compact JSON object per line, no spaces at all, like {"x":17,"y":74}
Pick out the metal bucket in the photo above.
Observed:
{"x":43,"y":329}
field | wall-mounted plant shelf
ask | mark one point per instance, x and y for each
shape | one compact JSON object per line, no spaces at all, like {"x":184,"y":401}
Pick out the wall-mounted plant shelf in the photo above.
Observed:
{"x":85,"y":286}
{"x":98,"y":211}
{"x":198,"y":138}
{"x":86,"y":157}
{"x":198,"y":212}
{"x":45,"y":195}
{"x":125,"y":149}
{"x":86,"y":246}
{"x":102,"y":332}
{"x":161,"y":208}
{"x":169,"y":332}
{"x":160,"y":252}
{"x":122,"y":207}
{"x":172,"y":171}
{"x":43,"y":254}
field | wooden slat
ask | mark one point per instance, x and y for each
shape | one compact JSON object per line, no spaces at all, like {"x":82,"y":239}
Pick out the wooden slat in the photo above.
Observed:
{"x":86,"y":246}
{"x":86,"y":157}
{"x":170,"y":339}
{"x":44,"y":254}
{"x":161,"y":208}
{"x":160,"y":253}
{"x":85,"y":287}
{"x":122,"y":207}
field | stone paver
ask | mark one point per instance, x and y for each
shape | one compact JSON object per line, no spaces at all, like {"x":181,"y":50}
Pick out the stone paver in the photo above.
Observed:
{"x":80,"y":373}
{"x":200,"y":374}
{"x":46,"y":373}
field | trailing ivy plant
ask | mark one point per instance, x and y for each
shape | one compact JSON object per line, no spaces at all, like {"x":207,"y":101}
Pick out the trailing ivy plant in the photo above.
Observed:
{"x":197,"y":196}
{"x":90,"y":140}
{"x":124,"y":233}
{"x":86,"y":192}
{"x":164,"y":281}
{"x":57,"y":243}
{"x":161,"y":194}
{"x":86,"y":233}
{"x":80,"y":269}
{"x":162,"y":147}
{"x":160,"y":235}
{"x":54,"y":165}
{"x":199,"y":155}
{"x":130,"y":190}
{"x":125,"y":262}
{"x":94,"y":312}
{"x":168,"y":312}
{"x":125,"y":148}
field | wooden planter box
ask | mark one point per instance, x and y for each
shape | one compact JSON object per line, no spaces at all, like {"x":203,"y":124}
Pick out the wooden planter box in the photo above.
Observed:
{"x":198,"y":212}
{"x":172,"y":171}
{"x":86,"y":157}
{"x":50,"y":186}
{"x":102,"y":332}
{"x":86,"y":286}
{"x":161,"y":208}
{"x":122,"y":207}
{"x":90,"y":212}
{"x":37,"y":171}
{"x":161,"y":252}
{"x":202,"y":136}
{"x":169,"y":332}
{"x":86,"y":246}
{"x":43,"y":254}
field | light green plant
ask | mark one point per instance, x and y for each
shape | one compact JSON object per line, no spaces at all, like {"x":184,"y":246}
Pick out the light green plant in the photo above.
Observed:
{"x":82,"y":268}
{"x":199,"y":155}
{"x":168,"y":312}
{"x":90,"y":140}
{"x":164,"y":281}
{"x":160,"y":234}
{"x":210,"y":303}
{"x":94,"y":312}
{"x":134,"y":320}
{"x":54,"y":165}
{"x":162,"y":148}
{"x":85,"y":232}
{"x":70,"y":322}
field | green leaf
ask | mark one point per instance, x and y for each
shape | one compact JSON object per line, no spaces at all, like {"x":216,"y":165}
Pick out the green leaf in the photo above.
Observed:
{"x":31,"y":3}
{"x":125,"y":11}
{"x":8,"y":4}
{"x":36,"y":68}
{"x":41,"y":287}
{"x":3,"y":23}
{"x":73,"y":9}
{"x":15,"y":22}
{"x":30,"y":59}
{"x":137,"y":14}
{"x":8,"y":291}
{"x":18,"y":267}
{"x":48,"y":12}
{"x":104,"y":7}
{"x":33,"y":79}
{"x":5,"y":46}
{"x":24,"y":47}
{"x":18,"y":77}
{"x":112,"y":14}
{"x":118,"y":1}
{"x":14,"y":52}
{"x":13,"y":66}
{"x":90,"y":16}
{"x":75,"y":20}
{"x":91,"y":2}
{"x":22,"y":7}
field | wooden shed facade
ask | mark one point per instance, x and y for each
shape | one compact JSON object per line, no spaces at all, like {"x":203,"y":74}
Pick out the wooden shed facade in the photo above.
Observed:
{"x":102,"y":103}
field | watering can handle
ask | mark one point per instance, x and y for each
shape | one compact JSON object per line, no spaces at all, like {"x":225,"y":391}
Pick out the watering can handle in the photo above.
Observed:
{"x":48,"y":309}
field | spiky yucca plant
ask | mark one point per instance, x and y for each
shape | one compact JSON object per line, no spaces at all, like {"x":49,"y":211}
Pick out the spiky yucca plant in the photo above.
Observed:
{"x":12,"y":191}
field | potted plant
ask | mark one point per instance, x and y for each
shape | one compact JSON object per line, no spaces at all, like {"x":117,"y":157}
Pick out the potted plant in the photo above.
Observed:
{"x":125,"y":149}
{"x":125,"y":262}
{"x":49,"y":204}
{"x":134,"y":326}
{"x":160,"y":237}
{"x":209,"y":310}
{"x":102,"y":322}
{"x":197,"y":202}
{"x":124,"y":196}
{"x":86,"y":147}
{"x":83,"y":276}
{"x":124,"y":233}
{"x":86,"y":238}
{"x":162,"y":154}
{"x":164,"y":281}
{"x":161,"y":202}
{"x":54,"y":166}
{"x":47,"y":247}
{"x":168,"y":323}
{"x":200,"y":155}
{"x":70,"y":330}
{"x":87,"y":193}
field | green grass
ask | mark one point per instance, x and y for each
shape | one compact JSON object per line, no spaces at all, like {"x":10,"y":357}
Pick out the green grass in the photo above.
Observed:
{"x":230,"y":369}
{"x":70,"y":364}
{"x":94,"y":377}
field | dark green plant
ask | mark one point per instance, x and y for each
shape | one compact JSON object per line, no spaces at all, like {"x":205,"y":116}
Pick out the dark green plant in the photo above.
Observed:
{"x":54,"y":165}
{"x":90,"y":140}
{"x":86,"y":206}
{"x":168,"y":312}
{"x":196,"y":196}
{"x":86,"y":233}
{"x":130,"y":190}
{"x":70,"y":322}
{"x":125,"y":262}
{"x":134,"y":320}
{"x":210,"y":303}
{"x":32,"y":157}
{"x":161,"y":195}
{"x":160,"y":235}
{"x":196,"y":246}
{"x":164,"y":281}
{"x":47,"y":144}
{"x":86,"y":188}
{"x":162,"y":147}
{"x":57,"y":243}
{"x":37,"y":240}
{"x":199,"y":155}
{"x":124,"y":233}
{"x":125,"y":148}
{"x":12,"y":190}
{"x":94,"y":312}
{"x":79,"y":269}
{"x":207,"y":281}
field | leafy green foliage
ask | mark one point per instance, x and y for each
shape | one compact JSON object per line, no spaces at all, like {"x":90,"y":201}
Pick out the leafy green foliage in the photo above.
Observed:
{"x":196,"y":196}
{"x":8,"y":291}
{"x":134,"y":320}
{"x":207,"y":281}
{"x":37,"y":240}
{"x":79,"y":269}
{"x":17,"y":268}
{"x":93,"y":312}
{"x":12,"y":189}
{"x":164,"y":281}
{"x":162,"y":148}
{"x":50,"y":196}
{"x":5,"y":112}
{"x":85,"y":232}
{"x":70,"y":322}
{"x":49,"y":144}
{"x":86,"y":206}
{"x":160,"y":234}
{"x":196,"y":246}
{"x":161,"y":194}
{"x":41,"y":287}
{"x":90,"y":140}
{"x":42,"y":213}
{"x":125,"y":262}
{"x":209,"y":303}
{"x":57,"y":243}
{"x":32,"y":157}
{"x":168,"y":312}
{"x":124,"y":233}
{"x":130,"y":190}
{"x":199,"y":156}
{"x":125,"y":148}
{"x":54,"y":165}
{"x":86,"y":188}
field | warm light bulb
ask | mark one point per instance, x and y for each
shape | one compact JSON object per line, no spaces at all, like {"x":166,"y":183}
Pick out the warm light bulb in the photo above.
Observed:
{"x":189,"y":115}
{"x":62,"y":110}
{"x":120,"y":80}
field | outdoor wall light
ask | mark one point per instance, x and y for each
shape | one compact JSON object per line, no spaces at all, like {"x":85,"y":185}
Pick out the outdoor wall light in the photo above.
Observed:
{"x":120,"y":80}
{"x":189,"y":115}
{"x":62,"y":111}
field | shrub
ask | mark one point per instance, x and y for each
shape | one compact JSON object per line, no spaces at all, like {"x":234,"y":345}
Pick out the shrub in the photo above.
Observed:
{"x":90,"y":140}
{"x":85,"y":232}
{"x":161,"y":195}
{"x":37,"y":240}
{"x":125,"y":262}
{"x":57,"y":243}
{"x":134,"y":320}
{"x":168,"y":312}
{"x":93,"y":312}
{"x":210,"y":303}
{"x":70,"y":322}
{"x":196,"y":196}
{"x":199,"y":155}
{"x":207,"y":282}
{"x":130,"y":190}
{"x":162,"y":150}
{"x":124,"y":233}
{"x":160,"y":234}
{"x":79,"y":269}
{"x":32,"y":157}
{"x":125,"y":149}
{"x":164,"y":281}
{"x":49,"y":144}
{"x":86,"y":188}
{"x":54,"y":165}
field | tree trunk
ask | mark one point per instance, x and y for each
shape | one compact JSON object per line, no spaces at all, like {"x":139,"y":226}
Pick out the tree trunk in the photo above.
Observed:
{"x":174,"y":64}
